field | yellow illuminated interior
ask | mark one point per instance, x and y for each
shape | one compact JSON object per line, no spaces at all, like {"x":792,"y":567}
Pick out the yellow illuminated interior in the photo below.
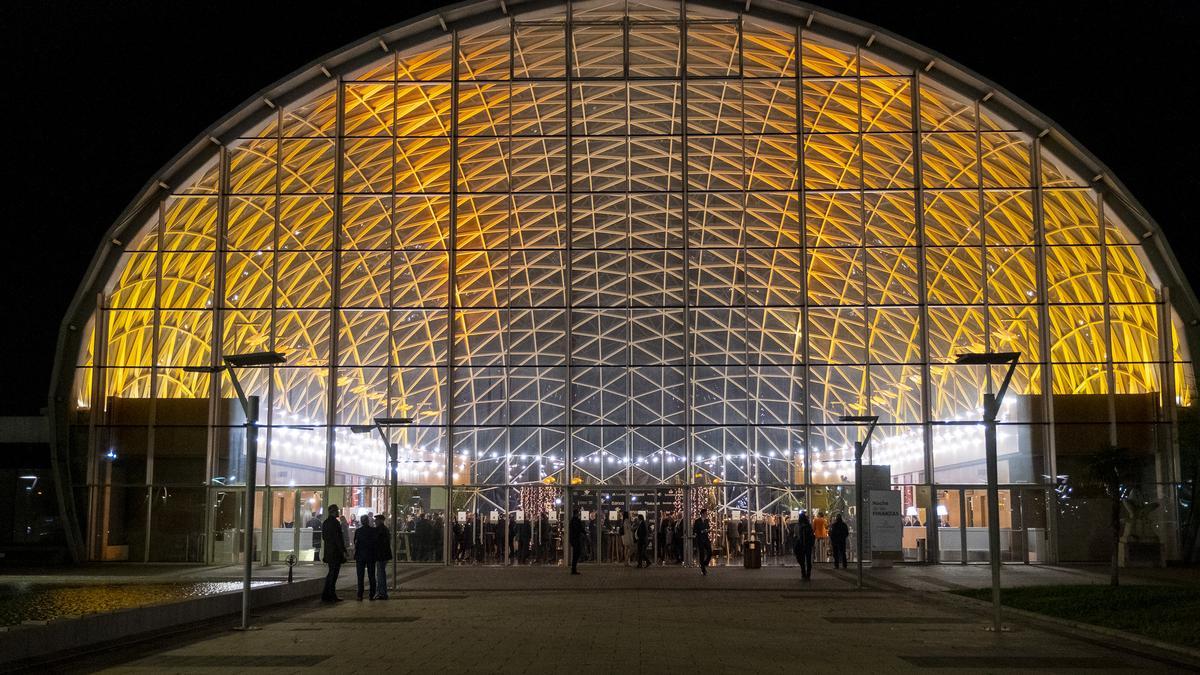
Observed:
{"x":794,"y":224}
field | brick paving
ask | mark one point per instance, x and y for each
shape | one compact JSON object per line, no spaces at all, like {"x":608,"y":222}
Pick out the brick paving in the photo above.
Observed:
{"x":662,"y":620}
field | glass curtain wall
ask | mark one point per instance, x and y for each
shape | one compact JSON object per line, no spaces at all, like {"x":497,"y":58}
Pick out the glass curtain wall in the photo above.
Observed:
{"x":614,"y":248}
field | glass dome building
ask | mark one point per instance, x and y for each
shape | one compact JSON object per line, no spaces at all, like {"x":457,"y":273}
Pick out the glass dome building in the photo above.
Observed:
{"x":621,"y":255}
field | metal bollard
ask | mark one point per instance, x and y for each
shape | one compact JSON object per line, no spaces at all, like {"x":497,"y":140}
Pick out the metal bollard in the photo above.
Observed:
{"x":291,"y":562}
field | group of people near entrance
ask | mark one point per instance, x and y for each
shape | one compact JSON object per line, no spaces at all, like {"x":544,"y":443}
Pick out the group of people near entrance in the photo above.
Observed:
{"x":372,"y":546}
{"x":372,"y":551}
{"x":813,"y":536}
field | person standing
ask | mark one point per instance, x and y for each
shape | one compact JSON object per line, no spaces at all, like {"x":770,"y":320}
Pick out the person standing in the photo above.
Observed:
{"x":805,"y":540}
{"x":576,"y":537}
{"x":642,"y":535}
{"x":626,"y":537}
{"x":820,"y":528}
{"x":334,"y":548}
{"x":364,"y":554}
{"x":314,"y":524}
{"x":838,"y":534}
{"x":703,"y":545}
{"x":383,"y":553}
{"x":664,"y":538}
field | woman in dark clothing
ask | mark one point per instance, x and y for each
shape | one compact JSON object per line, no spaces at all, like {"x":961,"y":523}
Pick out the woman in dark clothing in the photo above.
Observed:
{"x":364,"y":554}
{"x":806,"y":540}
{"x":383,"y":553}
{"x":838,"y":534}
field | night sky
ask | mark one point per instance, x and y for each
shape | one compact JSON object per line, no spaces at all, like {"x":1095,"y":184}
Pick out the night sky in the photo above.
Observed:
{"x":100,"y":94}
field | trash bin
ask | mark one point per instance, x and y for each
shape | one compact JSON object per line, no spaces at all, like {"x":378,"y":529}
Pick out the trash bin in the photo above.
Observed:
{"x":751,"y":555}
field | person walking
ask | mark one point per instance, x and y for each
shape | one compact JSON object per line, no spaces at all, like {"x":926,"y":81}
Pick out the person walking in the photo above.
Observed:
{"x":642,"y":535}
{"x":838,"y":534}
{"x":364,"y":554}
{"x":703,"y":545}
{"x":383,"y":554}
{"x":576,"y":536}
{"x":626,"y":538}
{"x":805,"y":540}
{"x":334,"y":548}
{"x":820,"y":528}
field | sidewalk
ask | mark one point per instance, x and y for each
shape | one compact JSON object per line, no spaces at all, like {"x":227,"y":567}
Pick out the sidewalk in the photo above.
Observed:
{"x":614,"y":619}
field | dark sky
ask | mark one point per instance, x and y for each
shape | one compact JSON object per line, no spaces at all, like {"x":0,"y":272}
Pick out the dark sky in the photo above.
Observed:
{"x":100,"y":94}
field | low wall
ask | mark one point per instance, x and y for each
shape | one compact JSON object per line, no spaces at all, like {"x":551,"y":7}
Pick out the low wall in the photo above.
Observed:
{"x":28,"y":642}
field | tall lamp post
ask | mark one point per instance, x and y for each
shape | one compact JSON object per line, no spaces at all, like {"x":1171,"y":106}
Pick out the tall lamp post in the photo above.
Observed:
{"x":382,"y":424}
{"x":860,"y":447}
{"x":991,"y":410}
{"x":250,"y":411}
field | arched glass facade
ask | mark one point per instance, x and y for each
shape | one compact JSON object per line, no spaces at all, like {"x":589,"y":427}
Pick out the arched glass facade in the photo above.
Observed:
{"x":642,"y":251}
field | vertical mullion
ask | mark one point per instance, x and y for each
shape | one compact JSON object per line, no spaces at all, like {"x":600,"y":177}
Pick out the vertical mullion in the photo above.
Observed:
{"x":568,"y":246}
{"x":802,"y":193}
{"x":931,"y":524}
{"x":862,"y":228}
{"x":1043,"y":310}
{"x":688,"y":368}
{"x":1106,"y":298}
{"x":335,"y":282}
{"x":452,"y":274}
{"x":750,"y":463}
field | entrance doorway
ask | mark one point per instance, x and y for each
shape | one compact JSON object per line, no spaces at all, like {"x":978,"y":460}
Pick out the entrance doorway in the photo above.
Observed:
{"x":962,"y":525}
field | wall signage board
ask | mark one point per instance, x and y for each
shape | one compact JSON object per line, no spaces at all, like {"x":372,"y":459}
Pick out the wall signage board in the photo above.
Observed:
{"x":520,"y":516}
{"x":462,"y":516}
{"x":493,"y":516}
{"x":887,"y":530}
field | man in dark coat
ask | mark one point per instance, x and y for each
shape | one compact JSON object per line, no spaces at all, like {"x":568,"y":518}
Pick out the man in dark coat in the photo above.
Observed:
{"x":333,"y":545}
{"x":641,"y":536}
{"x":703,"y":545}
{"x":383,"y":553}
{"x":806,"y":540}
{"x":838,"y":534}
{"x":577,"y":537}
{"x":423,"y":534}
{"x":364,"y":554}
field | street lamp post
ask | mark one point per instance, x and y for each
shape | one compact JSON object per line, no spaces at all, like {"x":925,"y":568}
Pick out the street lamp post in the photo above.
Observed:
{"x":991,"y":410}
{"x":250,"y":411}
{"x":381,"y":424}
{"x":860,"y":447}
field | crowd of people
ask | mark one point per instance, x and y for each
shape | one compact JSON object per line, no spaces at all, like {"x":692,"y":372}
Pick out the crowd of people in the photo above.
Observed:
{"x":629,"y":538}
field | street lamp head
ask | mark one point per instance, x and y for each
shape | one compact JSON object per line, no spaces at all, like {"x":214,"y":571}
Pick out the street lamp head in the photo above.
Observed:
{"x":393,"y":421}
{"x":255,"y":359}
{"x":987,"y":358}
{"x":203,"y":369}
{"x":361,"y":428}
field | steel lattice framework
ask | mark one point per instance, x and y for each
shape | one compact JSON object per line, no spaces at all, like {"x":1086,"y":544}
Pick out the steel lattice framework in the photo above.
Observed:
{"x":615,"y":246}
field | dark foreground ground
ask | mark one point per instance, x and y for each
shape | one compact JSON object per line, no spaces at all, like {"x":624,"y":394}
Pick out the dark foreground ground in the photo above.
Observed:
{"x":662,"y":620}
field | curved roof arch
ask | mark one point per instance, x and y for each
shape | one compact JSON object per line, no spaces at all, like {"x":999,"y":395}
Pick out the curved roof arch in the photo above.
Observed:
{"x":323,"y":73}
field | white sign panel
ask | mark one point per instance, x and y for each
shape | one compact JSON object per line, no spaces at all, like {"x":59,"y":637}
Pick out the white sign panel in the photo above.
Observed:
{"x":887,"y":530}
{"x":554,"y":516}
{"x":585,"y":514}
{"x":462,"y":516}
{"x":494,"y":516}
{"x":520,"y":516}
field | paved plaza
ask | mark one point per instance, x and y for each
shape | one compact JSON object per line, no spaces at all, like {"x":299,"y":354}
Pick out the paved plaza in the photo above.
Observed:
{"x":661,"y":620}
